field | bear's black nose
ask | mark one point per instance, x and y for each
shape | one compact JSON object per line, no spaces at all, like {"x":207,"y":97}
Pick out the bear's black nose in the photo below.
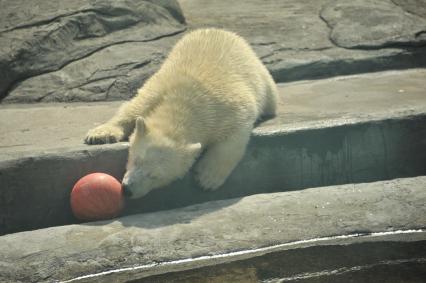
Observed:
{"x":126,"y":190}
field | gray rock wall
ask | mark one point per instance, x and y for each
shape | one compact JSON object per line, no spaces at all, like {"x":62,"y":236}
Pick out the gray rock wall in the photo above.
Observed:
{"x":320,"y":38}
{"x":46,"y":36}
{"x":372,"y":25}
{"x":105,"y":50}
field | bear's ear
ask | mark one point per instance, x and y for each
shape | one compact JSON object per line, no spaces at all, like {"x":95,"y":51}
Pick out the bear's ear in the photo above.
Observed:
{"x":140,"y":126}
{"x":194,"y":149}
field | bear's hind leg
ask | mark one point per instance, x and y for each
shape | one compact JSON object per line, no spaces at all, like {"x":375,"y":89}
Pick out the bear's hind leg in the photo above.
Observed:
{"x":271,"y":99}
{"x":220,"y":159}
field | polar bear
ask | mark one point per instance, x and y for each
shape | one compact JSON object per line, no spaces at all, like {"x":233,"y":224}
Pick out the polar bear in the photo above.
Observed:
{"x":205,"y":98}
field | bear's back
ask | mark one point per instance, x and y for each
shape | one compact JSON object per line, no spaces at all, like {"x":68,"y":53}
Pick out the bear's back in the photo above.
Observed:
{"x":220,"y":60}
{"x":214,"y":53}
{"x":213,"y":78}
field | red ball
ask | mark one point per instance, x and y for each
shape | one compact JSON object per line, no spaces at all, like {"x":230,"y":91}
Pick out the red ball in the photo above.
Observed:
{"x":96,"y":196}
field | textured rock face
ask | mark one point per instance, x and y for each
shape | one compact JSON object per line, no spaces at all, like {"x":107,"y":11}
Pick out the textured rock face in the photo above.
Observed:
{"x":105,"y":50}
{"x":361,"y":24}
{"x":295,"y":40}
{"x":113,"y":73}
{"x":417,"y":7}
{"x":48,"y":35}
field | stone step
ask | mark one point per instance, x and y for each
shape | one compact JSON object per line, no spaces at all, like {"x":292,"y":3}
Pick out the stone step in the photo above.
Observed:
{"x":368,"y":231}
{"x":343,"y":130}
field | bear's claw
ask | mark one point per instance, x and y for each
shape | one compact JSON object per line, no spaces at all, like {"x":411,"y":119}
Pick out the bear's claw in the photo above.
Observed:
{"x":104,"y":134}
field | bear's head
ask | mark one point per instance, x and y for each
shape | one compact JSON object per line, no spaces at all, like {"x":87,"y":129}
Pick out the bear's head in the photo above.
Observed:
{"x":155,"y":160}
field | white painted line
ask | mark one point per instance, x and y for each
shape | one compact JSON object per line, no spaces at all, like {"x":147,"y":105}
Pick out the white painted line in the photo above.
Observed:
{"x":243,"y":252}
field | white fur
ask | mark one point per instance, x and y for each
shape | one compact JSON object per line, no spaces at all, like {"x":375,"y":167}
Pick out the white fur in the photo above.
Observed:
{"x":206,"y":96}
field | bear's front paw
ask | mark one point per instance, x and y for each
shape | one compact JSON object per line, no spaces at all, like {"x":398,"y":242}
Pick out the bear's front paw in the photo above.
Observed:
{"x":210,"y":177}
{"x":104,"y":134}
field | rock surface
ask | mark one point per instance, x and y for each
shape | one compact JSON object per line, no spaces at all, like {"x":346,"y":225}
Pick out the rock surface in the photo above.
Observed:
{"x":47,"y":36}
{"x":105,"y":50}
{"x":369,"y":25}
{"x":296,"y":41}
{"x":139,"y":245}
{"x":416,"y":7}
{"x":113,"y":73}
{"x":360,"y":128}
{"x":302,"y":105}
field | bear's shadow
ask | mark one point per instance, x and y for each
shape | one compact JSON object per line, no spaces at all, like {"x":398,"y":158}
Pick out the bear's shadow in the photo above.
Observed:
{"x":179,"y":203}
{"x":183,"y":215}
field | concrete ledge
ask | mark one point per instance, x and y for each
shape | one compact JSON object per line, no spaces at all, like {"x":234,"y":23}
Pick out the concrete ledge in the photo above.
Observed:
{"x":367,"y":130}
{"x":138,"y":246}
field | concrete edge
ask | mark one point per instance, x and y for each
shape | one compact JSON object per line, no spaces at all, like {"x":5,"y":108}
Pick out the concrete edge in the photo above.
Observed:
{"x":260,"y":131}
{"x":210,"y":232}
{"x":340,"y":122}
{"x":329,"y":66}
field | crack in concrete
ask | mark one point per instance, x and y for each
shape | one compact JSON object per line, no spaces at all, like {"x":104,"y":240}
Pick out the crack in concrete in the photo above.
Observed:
{"x":330,"y":28}
{"x":405,"y":10}
{"x":390,"y":45}
{"x":14,"y":145}
{"x":41,"y":22}
{"x":109,"y":89}
{"x":90,"y":80}
{"x":275,"y":51}
{"x":65,"y":15}
{"x":117,"y":43}
{"x":133,"y":65}
{"x":419,"y":33}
